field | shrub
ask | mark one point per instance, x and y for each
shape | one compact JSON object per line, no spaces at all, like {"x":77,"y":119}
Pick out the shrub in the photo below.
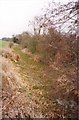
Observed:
{"x":33,"y":46}
{"x":15,"y":40}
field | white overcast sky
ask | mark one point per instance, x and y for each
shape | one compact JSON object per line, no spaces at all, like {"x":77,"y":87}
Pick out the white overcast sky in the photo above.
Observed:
{"x":15,"y":14}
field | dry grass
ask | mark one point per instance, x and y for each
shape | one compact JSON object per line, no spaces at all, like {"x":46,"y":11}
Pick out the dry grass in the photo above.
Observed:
{"x":11,"y":83}
{"x":8,"y":53}
{"x":15,"y":94}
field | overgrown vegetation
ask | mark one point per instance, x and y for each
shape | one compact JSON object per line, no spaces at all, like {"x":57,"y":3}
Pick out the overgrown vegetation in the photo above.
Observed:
{"x":49,"y":41}
{"x":53,"y":47}
{"x":48,"y":61}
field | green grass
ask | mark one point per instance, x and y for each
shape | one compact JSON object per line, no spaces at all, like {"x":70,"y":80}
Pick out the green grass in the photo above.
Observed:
{"x":3,"y":44}
{"x":41,"y":77}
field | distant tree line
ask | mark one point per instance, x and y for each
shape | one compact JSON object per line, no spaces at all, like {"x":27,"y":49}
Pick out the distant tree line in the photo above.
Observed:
{"x":7,"y":39}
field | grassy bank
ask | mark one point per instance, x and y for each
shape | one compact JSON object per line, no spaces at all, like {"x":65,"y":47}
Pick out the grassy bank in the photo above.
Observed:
{"x":40,"y":79}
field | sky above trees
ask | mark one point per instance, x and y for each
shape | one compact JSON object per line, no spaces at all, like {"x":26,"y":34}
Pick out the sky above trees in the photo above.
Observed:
{"x":15,"y":14}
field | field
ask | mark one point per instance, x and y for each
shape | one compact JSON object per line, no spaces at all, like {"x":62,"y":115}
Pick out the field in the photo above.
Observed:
{"x":3,"y":44}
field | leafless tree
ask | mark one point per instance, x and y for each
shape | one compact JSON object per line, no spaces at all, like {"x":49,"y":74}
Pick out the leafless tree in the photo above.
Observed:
{"x":61,"y":16}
